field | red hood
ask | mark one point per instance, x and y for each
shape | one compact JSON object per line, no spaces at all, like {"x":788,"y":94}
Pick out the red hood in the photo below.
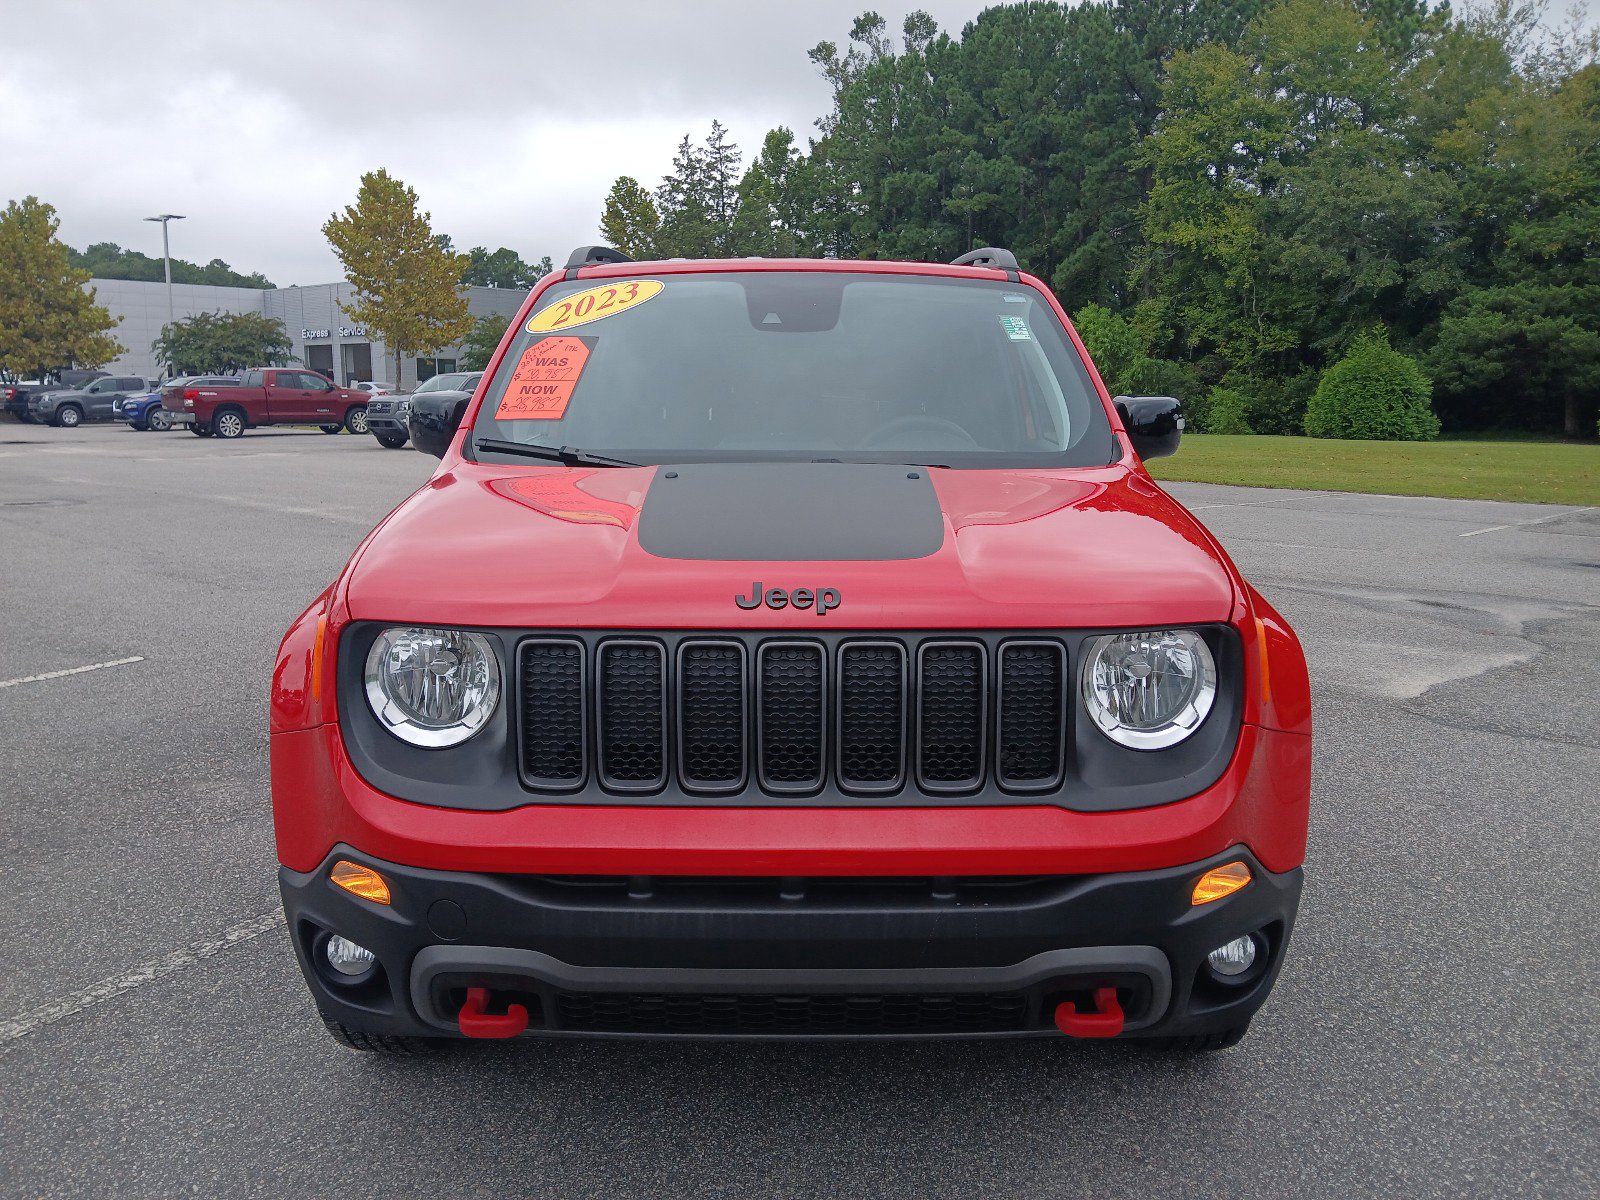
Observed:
{"x":553,"y":546}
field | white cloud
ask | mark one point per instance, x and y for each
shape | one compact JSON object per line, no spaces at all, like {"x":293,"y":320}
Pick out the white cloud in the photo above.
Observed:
{"x":509,"y":119}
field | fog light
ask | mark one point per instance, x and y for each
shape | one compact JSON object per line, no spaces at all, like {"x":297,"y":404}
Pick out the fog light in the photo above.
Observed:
{"x":1233,"y":958}
{"x":347,"y":958}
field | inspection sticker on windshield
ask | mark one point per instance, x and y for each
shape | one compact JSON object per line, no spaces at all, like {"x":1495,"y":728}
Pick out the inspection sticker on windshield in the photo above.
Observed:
{"x":607,"y":300}
{"x":542,"y":384}
{"x":1016,"y":329}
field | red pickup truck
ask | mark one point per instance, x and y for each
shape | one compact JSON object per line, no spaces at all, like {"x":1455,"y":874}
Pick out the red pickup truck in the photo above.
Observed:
{"x":267,"y":396}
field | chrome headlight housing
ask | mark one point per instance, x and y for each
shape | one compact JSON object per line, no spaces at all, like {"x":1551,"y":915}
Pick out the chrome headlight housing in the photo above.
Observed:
{"x":1149,"y":689}
{"x":432,"y":687}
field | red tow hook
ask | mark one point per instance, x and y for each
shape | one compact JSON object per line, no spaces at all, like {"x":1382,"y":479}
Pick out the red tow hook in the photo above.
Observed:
{"x":478,"y":1022}
{"x":1104,"y":1023}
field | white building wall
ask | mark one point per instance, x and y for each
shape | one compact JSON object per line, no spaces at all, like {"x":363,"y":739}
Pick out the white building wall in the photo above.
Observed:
{"x":143,"y":309}
{"x":313,"y":316}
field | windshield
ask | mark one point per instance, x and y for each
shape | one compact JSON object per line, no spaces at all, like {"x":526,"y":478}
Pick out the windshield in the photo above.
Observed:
{"x":442,"y":383}
{"x":799,"y":365}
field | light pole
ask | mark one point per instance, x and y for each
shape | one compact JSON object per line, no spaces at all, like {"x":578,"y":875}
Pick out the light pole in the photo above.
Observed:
{"x":166,"y":255}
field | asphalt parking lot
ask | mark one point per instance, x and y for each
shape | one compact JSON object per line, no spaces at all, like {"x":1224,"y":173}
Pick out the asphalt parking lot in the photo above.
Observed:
{"x":1433,"y":1033}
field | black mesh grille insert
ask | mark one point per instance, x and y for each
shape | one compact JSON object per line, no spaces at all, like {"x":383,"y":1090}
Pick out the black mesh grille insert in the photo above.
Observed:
{"x":872,"y":716}
{"x":633,"y":715}
{"x":711,"y":714}
{"x":1032,"y":718}
{"x":951,"y":716}
{"x":606,"y":1012}
{"x":791,"y":716}
{"x":552,"y":713}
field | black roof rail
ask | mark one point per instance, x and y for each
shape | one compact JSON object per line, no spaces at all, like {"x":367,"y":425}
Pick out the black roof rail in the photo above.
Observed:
{"x":592,"y":256}
{"x":989,"y":256}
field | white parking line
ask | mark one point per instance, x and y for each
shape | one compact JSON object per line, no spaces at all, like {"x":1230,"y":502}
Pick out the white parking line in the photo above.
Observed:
{"x":1520,"y":524}
{"x":116,"y":662}
{"x":97,"y":993}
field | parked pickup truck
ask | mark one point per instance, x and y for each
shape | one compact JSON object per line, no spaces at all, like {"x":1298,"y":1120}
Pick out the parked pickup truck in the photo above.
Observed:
{"x":17,"y":396}
{"x":267,"y":396}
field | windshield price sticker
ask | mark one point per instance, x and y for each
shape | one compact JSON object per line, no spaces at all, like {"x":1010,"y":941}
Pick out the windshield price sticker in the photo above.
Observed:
{"x":590,"y":305}
{"x":543,"y":382}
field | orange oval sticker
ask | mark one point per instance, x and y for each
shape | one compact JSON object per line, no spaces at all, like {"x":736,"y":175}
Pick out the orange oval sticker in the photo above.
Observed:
{"x":594,"y":303}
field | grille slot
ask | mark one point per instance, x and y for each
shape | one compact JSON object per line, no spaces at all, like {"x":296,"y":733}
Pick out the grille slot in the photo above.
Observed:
{"x":632,"y":713}
{"x":552,"y":679}
{"x":952,"y":715}
{"x":758,"y":1015}
{"x":871,"y":716}
{"x":1031,"y":724}
{"x":790,"y":719}
{"x":711,"y":716}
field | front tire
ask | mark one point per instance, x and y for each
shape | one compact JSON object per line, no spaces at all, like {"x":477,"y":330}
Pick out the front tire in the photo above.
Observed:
{"x":68,"y":416}
{"x":390,"y":1045}
{"x":228,"y":424}
{"x":356,"y":419}
{"x":158,"y":420}
{"x":330,"y":428}
{"x":391,"y":441}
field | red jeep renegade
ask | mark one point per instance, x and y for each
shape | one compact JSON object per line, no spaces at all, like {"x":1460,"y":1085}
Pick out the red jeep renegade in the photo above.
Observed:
{"x":790,"y":649}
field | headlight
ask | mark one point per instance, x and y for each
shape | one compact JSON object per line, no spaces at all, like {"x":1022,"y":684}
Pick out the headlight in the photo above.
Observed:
{"x":432,"y":687}
{"x":1150,"y":689}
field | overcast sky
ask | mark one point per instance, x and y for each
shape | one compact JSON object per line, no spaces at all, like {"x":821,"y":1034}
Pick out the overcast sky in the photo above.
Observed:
{"x":509,"y":119}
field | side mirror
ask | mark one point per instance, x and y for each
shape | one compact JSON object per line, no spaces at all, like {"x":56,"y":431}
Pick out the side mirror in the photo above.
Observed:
{"x":1154,"y":423}
{"x":434,"y":421}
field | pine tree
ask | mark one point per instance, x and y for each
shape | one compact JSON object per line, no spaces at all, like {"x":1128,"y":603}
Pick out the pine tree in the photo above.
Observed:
{"x":630,"y":221}
{"x":48,"y":321}
{"x":407,"y":284}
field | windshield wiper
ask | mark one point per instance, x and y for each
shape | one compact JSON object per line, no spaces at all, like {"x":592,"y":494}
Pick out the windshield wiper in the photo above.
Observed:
{"x":570,"y":455}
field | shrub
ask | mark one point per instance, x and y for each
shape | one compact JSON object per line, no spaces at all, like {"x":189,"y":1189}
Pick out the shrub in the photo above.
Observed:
{"x":1227,"y":411}
{"x":1373,"y":393}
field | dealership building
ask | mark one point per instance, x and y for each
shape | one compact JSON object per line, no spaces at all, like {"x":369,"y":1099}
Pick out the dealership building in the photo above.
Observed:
{"x":325,"y":338}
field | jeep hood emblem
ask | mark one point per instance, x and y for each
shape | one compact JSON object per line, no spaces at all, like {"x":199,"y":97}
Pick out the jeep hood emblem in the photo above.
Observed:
{"x":822,"y":599}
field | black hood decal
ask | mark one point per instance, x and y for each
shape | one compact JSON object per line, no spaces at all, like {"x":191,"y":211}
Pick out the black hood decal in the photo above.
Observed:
{"x":781,"y":512}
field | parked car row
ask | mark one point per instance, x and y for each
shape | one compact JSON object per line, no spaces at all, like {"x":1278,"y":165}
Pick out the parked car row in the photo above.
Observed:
{"x":226,"y":405}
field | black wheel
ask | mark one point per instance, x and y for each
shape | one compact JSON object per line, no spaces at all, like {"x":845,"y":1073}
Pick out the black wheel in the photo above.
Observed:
{"x":330,"y":428}
{"x":200,"y":430}
{"x":389,"y":1044}
{"x":158,"y":420}
{"x":391,"y":441}
{"x":1201,"y":1043}
{"x":356,"y":419}
{"x":229,"y":423}
{"x":69,"y":416}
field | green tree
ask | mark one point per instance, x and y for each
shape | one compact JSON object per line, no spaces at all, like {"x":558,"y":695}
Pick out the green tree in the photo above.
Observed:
{"x":1374,"y":392}
{"x":107,"y":260}
{"x":630,"y":222}
{"x":48,"y":319}
{"x":479,"y":346}
{"x":210,"y":343}
{"x":696,"y":199}
{"x":503,"y":268}
{"x":407,"y":285}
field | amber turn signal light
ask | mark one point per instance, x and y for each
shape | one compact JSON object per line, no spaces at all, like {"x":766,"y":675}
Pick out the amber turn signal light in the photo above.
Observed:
{"x":1219,"y":882}
{"x":364,"y":881}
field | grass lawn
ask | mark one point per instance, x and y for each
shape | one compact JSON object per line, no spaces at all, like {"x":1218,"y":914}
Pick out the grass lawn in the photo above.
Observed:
{"x":1541,"y":472}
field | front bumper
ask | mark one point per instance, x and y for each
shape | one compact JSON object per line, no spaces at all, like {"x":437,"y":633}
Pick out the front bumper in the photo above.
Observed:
{"x":789,"y":957}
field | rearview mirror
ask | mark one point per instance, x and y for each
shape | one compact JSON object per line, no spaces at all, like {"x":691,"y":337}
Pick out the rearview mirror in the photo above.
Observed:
{"x":434,"y":420}
{"x":1154,"y":423}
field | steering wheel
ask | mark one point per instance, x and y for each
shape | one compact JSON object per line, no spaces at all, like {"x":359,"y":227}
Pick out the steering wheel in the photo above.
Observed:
{"x":954,"y":437}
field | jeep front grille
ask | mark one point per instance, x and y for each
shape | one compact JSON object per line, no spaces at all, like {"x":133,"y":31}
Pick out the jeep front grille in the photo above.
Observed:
{"x":791,"y":716}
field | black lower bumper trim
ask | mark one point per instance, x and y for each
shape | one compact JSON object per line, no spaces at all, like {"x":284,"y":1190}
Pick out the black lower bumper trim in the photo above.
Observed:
{"x":789,"y":958}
